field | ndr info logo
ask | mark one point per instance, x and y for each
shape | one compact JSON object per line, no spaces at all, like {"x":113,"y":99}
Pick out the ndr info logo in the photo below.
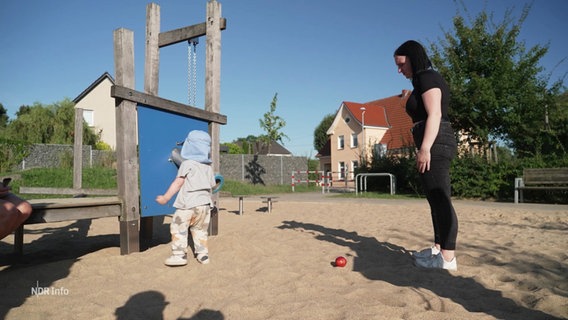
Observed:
{"x":49,"y":291}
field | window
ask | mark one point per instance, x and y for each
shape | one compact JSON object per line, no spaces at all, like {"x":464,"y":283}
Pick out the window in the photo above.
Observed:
{"x":342,"y":170}
{"x":354,"y":140}
{"x":89,"y":117}
{"x":380,"y":150}
{"x":340,"y":142}
{"x":354,"y":166}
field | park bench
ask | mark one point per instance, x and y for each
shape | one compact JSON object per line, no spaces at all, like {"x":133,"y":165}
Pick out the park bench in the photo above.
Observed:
{"x":541,"y":179}
{"x":67,"y":209}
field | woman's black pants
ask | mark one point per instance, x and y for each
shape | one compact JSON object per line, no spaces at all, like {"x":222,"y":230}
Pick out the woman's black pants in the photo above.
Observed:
{"x":437,"y":186}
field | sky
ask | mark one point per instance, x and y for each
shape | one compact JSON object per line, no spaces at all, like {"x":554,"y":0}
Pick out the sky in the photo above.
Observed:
{"x":313,"y":54}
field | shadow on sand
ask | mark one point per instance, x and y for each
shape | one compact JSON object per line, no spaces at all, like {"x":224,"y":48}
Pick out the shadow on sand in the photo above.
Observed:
{"x":391,"y":263}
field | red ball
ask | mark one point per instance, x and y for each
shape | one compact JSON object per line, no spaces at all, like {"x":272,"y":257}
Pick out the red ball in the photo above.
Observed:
{"x":340,"y":262}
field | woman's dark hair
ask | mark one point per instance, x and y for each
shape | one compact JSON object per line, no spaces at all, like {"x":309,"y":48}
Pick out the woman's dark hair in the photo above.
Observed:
{"x":419,"y":60}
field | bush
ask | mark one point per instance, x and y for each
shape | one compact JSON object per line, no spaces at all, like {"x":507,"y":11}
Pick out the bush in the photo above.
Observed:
{"x":472,"y":176}
{"x":11,"y":154}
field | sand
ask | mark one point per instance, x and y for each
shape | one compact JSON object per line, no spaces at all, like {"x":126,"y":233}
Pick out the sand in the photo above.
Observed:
{"x":512,"y":264}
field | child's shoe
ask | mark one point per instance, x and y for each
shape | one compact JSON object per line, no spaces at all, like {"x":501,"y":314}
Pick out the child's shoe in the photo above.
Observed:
{"x":203,"y":258}
{"x":174,"y":261}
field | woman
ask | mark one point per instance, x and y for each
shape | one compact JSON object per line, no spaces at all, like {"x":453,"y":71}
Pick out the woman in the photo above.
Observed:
{"x":428,"y":107}
{"x":13,"y":210}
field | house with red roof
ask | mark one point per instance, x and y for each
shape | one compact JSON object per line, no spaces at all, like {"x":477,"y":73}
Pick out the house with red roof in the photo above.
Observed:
{"x":361,"y":130}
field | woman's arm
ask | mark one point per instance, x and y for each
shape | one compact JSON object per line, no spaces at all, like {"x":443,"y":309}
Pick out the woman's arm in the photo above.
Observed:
{"x":433,"y":104}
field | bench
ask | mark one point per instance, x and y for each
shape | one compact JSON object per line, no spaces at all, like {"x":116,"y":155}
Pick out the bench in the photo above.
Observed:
{"x":269,"y":201}
{"x":541,"y":179}
{"x":67,"y":209}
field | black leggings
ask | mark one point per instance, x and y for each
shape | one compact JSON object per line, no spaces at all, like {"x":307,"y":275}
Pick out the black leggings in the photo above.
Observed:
{"x":437,"y":186}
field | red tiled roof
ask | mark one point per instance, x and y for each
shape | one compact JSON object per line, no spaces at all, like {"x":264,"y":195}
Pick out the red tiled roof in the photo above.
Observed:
{"x":375,"y":115}
{"x":388,"y":113}
{"x":399,"y":134}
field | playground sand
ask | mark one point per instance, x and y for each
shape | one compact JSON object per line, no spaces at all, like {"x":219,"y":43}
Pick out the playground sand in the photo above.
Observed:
{"x":512,"y":264}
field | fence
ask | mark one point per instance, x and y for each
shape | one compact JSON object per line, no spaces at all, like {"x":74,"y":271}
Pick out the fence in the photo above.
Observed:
{"x":256,"y":169}
{"x":58,"y":155}
{"x":322,"y":179}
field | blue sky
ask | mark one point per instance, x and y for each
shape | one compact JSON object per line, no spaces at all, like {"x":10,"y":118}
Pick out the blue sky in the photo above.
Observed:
{"x":314,"y":54}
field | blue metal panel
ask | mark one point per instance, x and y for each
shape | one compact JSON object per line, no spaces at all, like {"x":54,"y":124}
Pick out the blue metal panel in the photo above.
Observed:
{"x":159,"y":132}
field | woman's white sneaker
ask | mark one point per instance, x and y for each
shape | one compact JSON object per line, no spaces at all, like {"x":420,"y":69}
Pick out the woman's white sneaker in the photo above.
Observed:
{"x":426,"y":253}
{"x":437,"y":262}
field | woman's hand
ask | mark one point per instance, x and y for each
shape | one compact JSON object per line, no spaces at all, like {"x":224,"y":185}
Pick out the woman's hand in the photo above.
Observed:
{"x":423,"y":158}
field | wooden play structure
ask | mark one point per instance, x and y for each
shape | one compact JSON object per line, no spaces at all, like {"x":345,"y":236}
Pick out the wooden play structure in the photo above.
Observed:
{"x":143,"y":151}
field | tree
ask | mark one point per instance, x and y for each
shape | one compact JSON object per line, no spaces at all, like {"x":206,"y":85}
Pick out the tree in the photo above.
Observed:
{"x":3,"y":116}
{"x":233,"y":148}
{"x":34,"y":125}
{"x":272,"y":125}
{"x":320,"y":133}
{"x":498,"y":90}
{"x":48,"y":124}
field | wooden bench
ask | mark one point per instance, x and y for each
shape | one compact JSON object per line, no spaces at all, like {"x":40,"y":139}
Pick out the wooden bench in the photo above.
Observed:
{"x":269,"y":201}
{"x":67,"y":209}
{"x":541,"y":179}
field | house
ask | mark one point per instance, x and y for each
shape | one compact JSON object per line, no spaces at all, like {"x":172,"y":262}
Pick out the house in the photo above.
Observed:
{"x":361,"y":130}
{"x":99,"y":108}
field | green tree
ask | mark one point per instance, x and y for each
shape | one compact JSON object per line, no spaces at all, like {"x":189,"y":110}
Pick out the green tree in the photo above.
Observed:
{"x":3,"y":116}
{"x":498,"y":89}
{"x":64,"y":125}
{"x":33,"y":125}
{"x":320,"y":132}
{"x":272,"y":124}
{"x":233,"y":148}
{"x":48,"y":124}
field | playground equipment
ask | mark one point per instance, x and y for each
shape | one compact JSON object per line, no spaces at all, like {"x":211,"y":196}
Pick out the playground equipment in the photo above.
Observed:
{"x":148,"y":123}
{"x":161,"y":123}
{"x":361,"y":181}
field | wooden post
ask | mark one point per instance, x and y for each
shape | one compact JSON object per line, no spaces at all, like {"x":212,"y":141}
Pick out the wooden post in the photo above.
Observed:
{"x":213,"y":85}
{"x":151,"y":83}
{"x":126,"y":144}
{"x":152,"y":59}
{"x":78,"y":150}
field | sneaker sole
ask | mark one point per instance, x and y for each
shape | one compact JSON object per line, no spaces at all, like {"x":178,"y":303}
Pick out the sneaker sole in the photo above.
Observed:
{"x":175,"y":264}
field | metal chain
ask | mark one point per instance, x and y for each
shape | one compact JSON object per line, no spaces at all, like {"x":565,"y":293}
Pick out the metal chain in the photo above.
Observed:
{"x":191,"y":72}
{"x":189,"y":53}
{"x":194,"y":88}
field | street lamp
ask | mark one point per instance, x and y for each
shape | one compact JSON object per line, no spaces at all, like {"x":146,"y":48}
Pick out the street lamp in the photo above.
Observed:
{"x":363,"y":109}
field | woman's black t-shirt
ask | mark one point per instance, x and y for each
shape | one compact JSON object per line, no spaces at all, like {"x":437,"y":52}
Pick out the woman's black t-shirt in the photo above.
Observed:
{"x":424,"y":81}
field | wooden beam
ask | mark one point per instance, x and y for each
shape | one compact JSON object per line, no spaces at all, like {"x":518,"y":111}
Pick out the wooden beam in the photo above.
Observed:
{"x":152,"y":57}
{"x":68,"y":191}
{"x":186,"y":33}
{"x":66,"y":209}
{"x":78,"y":150}
{"x":126,"y":143}
{"x":213,"y":87}
{"x":158,"y":103}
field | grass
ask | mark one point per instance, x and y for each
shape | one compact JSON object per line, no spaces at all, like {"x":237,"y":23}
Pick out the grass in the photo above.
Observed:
{"x":93,"y":178}
{"x":105,"y":178}
{"x":246,"y":189}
